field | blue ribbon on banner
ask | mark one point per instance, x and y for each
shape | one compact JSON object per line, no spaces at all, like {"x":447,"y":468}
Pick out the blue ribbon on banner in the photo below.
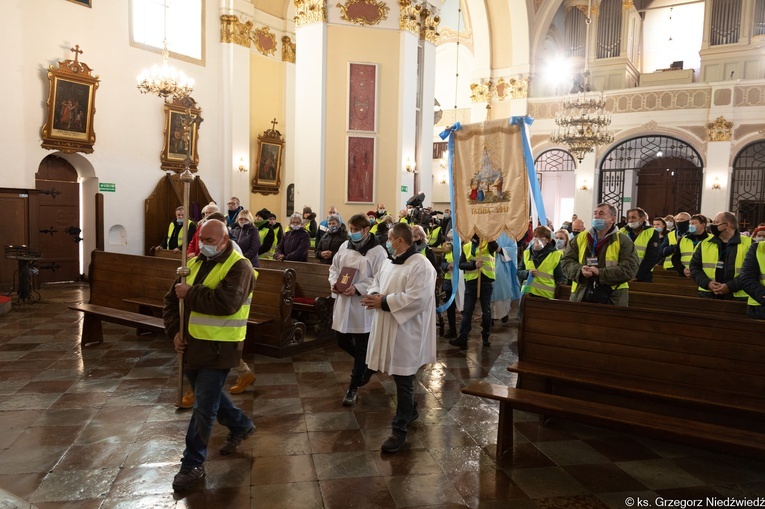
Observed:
{"x":456,"y":244}
{"x":536,"y":192}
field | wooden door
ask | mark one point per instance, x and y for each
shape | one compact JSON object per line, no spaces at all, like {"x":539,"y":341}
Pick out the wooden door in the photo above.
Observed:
{"x":58,"y":235}
{"x":14,"y":231}
{"x":669,"y":185}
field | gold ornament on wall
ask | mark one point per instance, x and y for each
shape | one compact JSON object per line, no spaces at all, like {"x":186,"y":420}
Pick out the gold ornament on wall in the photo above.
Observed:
{"x":264,"y":40}
{"x":288,"y":50}
{"x":514,"y":88}
{"x":409,"y":16}
{"x":233,"y":31}
{"x":364,"y":12}
{"x":481,"y":92}
{"x":309,"y":11}
{"x":429,"y":26}
{"x":719,"y":130}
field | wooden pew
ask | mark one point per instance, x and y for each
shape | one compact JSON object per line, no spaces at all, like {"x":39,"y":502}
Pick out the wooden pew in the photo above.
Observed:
{"x":312,"y":293}
{"x":122,"y":284}
{"x":665,"y":374}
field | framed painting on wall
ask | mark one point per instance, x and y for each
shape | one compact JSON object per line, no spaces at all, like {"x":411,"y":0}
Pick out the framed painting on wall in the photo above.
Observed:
{"x":86,"y":3}
{"x":71,"y":107}
{"x":362,"y":97}
{"x":268,"y":165}
{"x":181,"y":134}
{"x":360,"y":172}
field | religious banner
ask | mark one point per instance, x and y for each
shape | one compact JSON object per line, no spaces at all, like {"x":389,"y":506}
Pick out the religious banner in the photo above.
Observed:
{"x":490,"y":180}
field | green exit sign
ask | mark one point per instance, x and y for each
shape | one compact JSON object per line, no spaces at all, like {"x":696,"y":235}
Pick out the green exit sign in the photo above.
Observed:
{"x":404,"y":189}
{"x":107,"y":187}
{"x":626,"y":199}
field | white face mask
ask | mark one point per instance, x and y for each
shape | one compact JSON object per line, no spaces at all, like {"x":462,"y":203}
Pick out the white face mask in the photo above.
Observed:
{"x":539,"y":244}
{"x":670,"y":225}
{"x":560,"y":243}
{"x":634,"y":225}
{"x":759,"y":238}
{"x":295,"y":226}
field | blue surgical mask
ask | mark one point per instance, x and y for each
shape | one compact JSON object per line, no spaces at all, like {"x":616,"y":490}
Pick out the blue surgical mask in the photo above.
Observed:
{"x":692,"y":229}
{"x":179,"y":221}
{"x":208,"y":251}
{"x":333,"y":229}
{"x":389,"y":247}
{"x":598,"y":224}
{"x":355,"y":236}
{"x":560,"y":243}
{"x":659,"y":229}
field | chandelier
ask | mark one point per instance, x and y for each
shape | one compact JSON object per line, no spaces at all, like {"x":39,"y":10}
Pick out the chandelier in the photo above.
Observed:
{"x":583,"y":122}
{"x":165,"y":80}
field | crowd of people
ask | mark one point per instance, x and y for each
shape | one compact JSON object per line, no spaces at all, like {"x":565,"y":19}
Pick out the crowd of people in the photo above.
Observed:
{"x":388,"y":275}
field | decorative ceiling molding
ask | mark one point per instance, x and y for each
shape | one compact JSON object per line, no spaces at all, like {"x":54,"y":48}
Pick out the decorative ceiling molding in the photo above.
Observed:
{"x":233,"y":31}
{"x":310,"y":11}
{"x":265,"y":41}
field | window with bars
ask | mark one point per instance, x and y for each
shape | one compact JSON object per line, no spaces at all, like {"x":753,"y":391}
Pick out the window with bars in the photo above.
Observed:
{"x":748,"y":185}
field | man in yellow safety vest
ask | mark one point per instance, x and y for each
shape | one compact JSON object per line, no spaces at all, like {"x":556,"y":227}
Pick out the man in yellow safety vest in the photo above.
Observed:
{"x":753,"y":275}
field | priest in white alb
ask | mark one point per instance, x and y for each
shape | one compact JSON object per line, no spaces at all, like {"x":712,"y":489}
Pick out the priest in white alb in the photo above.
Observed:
{"x":403,"y":333}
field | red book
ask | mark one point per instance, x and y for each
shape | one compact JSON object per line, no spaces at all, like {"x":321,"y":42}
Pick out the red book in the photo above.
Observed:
{"x":346,"y":279}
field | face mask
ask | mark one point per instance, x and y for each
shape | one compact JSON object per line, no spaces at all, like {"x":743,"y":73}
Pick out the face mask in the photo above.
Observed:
{"x":634,"y":225}
{"x":560,"y":243}
{"x":759,"y":238}
{"x":356,"y":236}
{"x":447,"y":216}
{"x":659,"y":229}
{"x":179,"y":221}
{"x":381,"y":211}
{"x":295,"y":226}
{"x":389,"y":247}
{"x":207,"y":250}
{"x":419,"y":245}
{"x":243,"y":223}
{"x":576,"y":233}
{"x":539,"y":244}
{"x":671,"y":225}
{"x":692,"y":228}
{"x":371,"y":221}
{"x":682,"y":227}
{"x":598,"y":224}
{"x":333,"y":229}
{"x":714,"y":229}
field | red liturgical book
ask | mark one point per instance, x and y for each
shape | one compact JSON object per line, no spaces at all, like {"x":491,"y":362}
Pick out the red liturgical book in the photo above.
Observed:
{"x":346,"y":279}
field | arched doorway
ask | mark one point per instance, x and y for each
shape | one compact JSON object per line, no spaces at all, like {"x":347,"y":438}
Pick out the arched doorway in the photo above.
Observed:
{"x":59,"y":220}
{"x":661,"y":174}
{"x":555,"y":173}
{"x":748,"y":185}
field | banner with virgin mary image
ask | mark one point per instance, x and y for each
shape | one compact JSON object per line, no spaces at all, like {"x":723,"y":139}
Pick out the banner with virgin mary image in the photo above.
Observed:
{"x":490,"y":179}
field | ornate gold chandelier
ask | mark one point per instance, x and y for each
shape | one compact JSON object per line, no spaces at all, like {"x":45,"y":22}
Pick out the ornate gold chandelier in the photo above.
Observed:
{"x":583,"y":123}
{"x":165,"y":80}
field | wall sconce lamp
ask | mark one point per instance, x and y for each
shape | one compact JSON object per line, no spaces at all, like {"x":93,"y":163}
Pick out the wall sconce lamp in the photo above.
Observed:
{"x":716,"y":183}
{"x":242,"y":167}
{"x":584,"y":186}
{"x":410,"y":166}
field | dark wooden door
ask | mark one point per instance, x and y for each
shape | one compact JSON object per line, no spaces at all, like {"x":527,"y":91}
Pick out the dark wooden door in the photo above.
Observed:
{"x":14,"y":231}
{"x":667,"y":186}
{"x":58,"y":233}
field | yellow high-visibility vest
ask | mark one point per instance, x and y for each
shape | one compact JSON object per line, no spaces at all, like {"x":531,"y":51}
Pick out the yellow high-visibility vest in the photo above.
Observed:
{"x":215,"y":327}
{"x":641,"y":242}
{"x":170,"y":229}
{"x":761,"y":263}
{"x":612,"y":257}
{"x":543,"y":284}
{"x":672,"y":239}
{"x":449,"y":257}
{"x":481,"y":254}
{"x":710,"y":254}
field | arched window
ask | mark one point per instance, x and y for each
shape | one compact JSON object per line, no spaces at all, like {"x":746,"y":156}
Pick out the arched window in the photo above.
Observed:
{"x":748,"y":185}
{"x":180,"y":22}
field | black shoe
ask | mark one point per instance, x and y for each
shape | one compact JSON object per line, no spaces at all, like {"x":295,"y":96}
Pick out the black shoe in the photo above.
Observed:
{"x":486,"y":342}
{"x":460,"y":342}
{"x":505,"y":319}
{"x":451,"y":334}
{"x":415,"y":416}
{"x":368,"y":374}
{"x":350,"y":396}
{"x":394,"y":443}
{"x":233,"y":441}
{"x":187,"y":476}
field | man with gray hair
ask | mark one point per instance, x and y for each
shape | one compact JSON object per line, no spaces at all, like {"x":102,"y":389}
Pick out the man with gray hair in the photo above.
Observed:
{"x":716,"y":263}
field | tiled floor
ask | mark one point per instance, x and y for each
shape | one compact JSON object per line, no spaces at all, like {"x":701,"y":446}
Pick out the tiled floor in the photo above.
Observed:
{"x":97,"y":429}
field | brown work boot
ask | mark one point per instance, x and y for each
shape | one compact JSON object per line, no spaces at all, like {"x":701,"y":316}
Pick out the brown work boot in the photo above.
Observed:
{"x":187,"y":401}
{"x":242,"y":383}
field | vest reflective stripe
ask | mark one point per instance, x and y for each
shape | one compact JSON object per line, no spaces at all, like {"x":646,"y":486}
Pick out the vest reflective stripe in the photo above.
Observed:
{"x":543,"y":284}
{"x":686,"y":250}
{"x":641,"y":242}
{"x":214,"y":327}
{"x":433,"y":235}
{"x":612,"y":257}
{"x":481,"y":254}
{"x":449,"y":257}
{"x":761,"y":263}
{"x":672,"y":236}
{"x":710,"y":254}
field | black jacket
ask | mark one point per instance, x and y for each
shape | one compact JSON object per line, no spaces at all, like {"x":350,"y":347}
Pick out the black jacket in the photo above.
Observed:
{"x":727,"y":254}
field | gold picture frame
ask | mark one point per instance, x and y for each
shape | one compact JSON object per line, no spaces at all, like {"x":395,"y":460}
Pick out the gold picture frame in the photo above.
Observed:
{"x":181,"y":135}
{"x":268,"y":165}
{"x":71,"y":107}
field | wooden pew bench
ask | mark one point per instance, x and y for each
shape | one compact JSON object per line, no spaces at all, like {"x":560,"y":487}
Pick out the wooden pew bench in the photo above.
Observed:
{"x":122,"y":284}
{"x":665,"y":374}
{"x":312,"y":293}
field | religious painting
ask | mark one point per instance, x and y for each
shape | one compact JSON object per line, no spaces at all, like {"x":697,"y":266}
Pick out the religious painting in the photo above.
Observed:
{"x":361,"y":169}
{"x":86,"y":3}
{"x":268,"y":164}
{"x":181,"y":134}
{"x":362,"y":97}
{"x":71,"y":107}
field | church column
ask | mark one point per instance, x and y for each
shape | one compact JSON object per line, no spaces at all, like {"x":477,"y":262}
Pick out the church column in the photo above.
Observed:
{"x":234,"y":107}
{"x":310,"y":104}
{"x":428,"y":37}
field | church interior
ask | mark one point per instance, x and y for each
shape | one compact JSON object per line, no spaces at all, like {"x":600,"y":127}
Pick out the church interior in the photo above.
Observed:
{"x":309,"y":103}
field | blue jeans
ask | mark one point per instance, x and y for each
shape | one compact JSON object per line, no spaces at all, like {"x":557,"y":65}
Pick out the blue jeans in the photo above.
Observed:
{"x":210,"y":402}
{"x":471,"y":296}
{"x":405,"y":405}
{"x":356,"y":346}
